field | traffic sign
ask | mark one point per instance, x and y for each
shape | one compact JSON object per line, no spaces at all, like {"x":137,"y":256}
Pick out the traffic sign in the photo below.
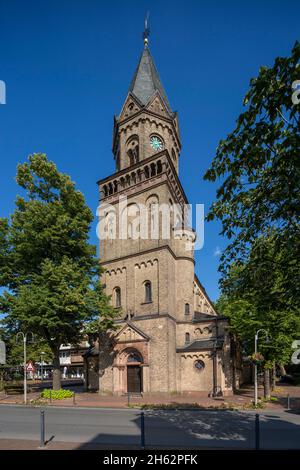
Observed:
{"x":30,"y":367}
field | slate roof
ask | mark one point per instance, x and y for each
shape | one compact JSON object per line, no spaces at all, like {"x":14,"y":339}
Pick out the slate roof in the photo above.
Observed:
{"x":199,"y":316}
{"x":202,"y":345}
{"x":146,"y":81}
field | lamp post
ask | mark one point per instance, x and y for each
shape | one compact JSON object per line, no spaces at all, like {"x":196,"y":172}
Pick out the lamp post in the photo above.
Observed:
{"x":255,"y":365}
{"x":24,"y":339}
{"x":215,"y":393}
{"x":42,"y":354}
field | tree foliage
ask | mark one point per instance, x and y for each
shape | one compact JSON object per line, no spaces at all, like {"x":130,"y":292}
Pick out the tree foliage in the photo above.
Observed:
{"x":260,"y":166}
{"x":258,"y":205}
{"x":50,"y":270}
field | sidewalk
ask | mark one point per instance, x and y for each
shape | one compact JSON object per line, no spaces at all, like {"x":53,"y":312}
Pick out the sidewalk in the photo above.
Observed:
{"x":18,"y":444}
{"x":243,"y":398}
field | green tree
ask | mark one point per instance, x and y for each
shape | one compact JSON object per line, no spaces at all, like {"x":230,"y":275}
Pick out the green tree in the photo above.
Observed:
{"x":249,"y":309}
{"x":260,"y":169}
{"x":50,"y":270}
{"x":257,"y":204}
{"x":34,"y":350}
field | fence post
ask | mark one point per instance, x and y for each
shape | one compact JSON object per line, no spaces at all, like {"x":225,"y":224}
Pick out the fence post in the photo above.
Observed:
{"x":42,"y":429}
{"x":257,"y":431}
{"x":288,"y":401}
{"x":142,"y":430}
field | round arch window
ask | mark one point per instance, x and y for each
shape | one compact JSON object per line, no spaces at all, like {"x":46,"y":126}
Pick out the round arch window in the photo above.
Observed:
{"x":134,"y":357}
{"x":199,"y":365}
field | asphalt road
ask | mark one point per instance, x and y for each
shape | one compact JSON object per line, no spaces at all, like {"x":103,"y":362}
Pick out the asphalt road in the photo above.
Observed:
{"x":164,"y":428}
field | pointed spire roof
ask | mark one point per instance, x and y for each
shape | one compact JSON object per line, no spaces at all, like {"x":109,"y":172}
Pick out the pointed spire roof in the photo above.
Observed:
{"x":146,"y":80}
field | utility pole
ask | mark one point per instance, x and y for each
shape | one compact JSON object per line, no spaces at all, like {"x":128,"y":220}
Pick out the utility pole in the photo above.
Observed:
{"x":42,"y":353}
{"x":24,"y":339}
{"x":255,"y":365}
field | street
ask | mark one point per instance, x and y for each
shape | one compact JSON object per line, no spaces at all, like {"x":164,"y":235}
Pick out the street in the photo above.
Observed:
{"x":163,"y":428}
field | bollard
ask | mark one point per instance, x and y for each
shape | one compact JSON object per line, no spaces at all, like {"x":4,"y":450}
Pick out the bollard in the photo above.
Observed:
{"x":74,"y":403}
{"x":42,"y":423}
{"x":128,"y":399}
{"x":257,"y":430}
{"x":288,"y":401}
{"x":50,"y":396}
{"x":142,"y":430}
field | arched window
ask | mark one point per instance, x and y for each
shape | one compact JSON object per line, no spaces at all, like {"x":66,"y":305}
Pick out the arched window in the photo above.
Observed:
{"x":117,"y":297}
{"x":187,"y":309}
{"x":148,"y":291}
{"x":146,"y":172}
{"x":134,"y":357}
{"x":187,"y":338}
{"x":132,"y":146}
{"x":130,"y":230}
{"x":153,"y":169}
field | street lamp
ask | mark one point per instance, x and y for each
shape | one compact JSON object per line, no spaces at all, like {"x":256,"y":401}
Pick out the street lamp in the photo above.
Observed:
{"x":214,"y":394}
{"x":42,"y":354}
{"x":255,"y":365}
{"x":24,"y":339}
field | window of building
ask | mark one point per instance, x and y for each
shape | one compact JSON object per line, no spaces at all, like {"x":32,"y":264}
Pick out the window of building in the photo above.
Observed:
{"x":148,"y":291}
{"x":132,"y":148}
{"x":130,"y":230}
{"x":134,"y":357}
{"x":199,"y":365}
{"x":117,"y":297}
{"x":187,"y":309}
{"x":187,"y":338}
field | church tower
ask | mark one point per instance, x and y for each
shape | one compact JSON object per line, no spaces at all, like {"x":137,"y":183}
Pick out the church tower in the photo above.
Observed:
{"x":168,"y":329}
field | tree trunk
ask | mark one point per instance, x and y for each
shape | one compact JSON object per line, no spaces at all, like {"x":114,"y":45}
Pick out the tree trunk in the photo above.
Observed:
{"x":274,"y":377}
{"x":267,"y":393}
{"x":56,"y":380}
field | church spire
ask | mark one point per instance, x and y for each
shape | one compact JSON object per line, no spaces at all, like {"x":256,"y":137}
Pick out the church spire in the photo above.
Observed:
{"x":146,"y":32}
{"x":146,"y":80}
{"x":146,"y":124}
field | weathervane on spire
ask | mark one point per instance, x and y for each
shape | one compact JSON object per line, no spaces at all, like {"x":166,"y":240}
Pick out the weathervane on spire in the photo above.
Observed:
{"x":146,"y":32}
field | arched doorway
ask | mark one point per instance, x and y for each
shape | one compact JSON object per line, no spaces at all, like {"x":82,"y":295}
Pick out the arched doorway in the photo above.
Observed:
{"x":134,"y":372}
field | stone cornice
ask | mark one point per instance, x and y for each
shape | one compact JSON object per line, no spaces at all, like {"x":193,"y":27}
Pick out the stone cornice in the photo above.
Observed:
{"x":138,"y":115}
{"x":149,"y":160}
{"x":141,"y":253}
{"x":150,"y":316}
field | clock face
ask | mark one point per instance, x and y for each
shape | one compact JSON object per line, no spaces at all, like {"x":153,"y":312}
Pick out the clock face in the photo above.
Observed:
{"x":156,"y":143}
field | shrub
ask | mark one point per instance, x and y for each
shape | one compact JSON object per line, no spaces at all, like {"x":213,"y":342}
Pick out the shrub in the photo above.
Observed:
{"x":57,"y":394}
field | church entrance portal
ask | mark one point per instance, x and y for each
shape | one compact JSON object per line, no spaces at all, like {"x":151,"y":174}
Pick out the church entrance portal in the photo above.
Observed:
{"x":134,"y":379}
{"x":134,"y":373}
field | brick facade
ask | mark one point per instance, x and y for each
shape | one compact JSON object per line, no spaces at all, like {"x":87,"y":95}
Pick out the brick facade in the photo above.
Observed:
{"x":166,"y":336}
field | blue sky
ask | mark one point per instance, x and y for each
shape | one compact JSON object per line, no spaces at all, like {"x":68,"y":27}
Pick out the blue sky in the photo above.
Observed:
{"x":67,"y":66}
